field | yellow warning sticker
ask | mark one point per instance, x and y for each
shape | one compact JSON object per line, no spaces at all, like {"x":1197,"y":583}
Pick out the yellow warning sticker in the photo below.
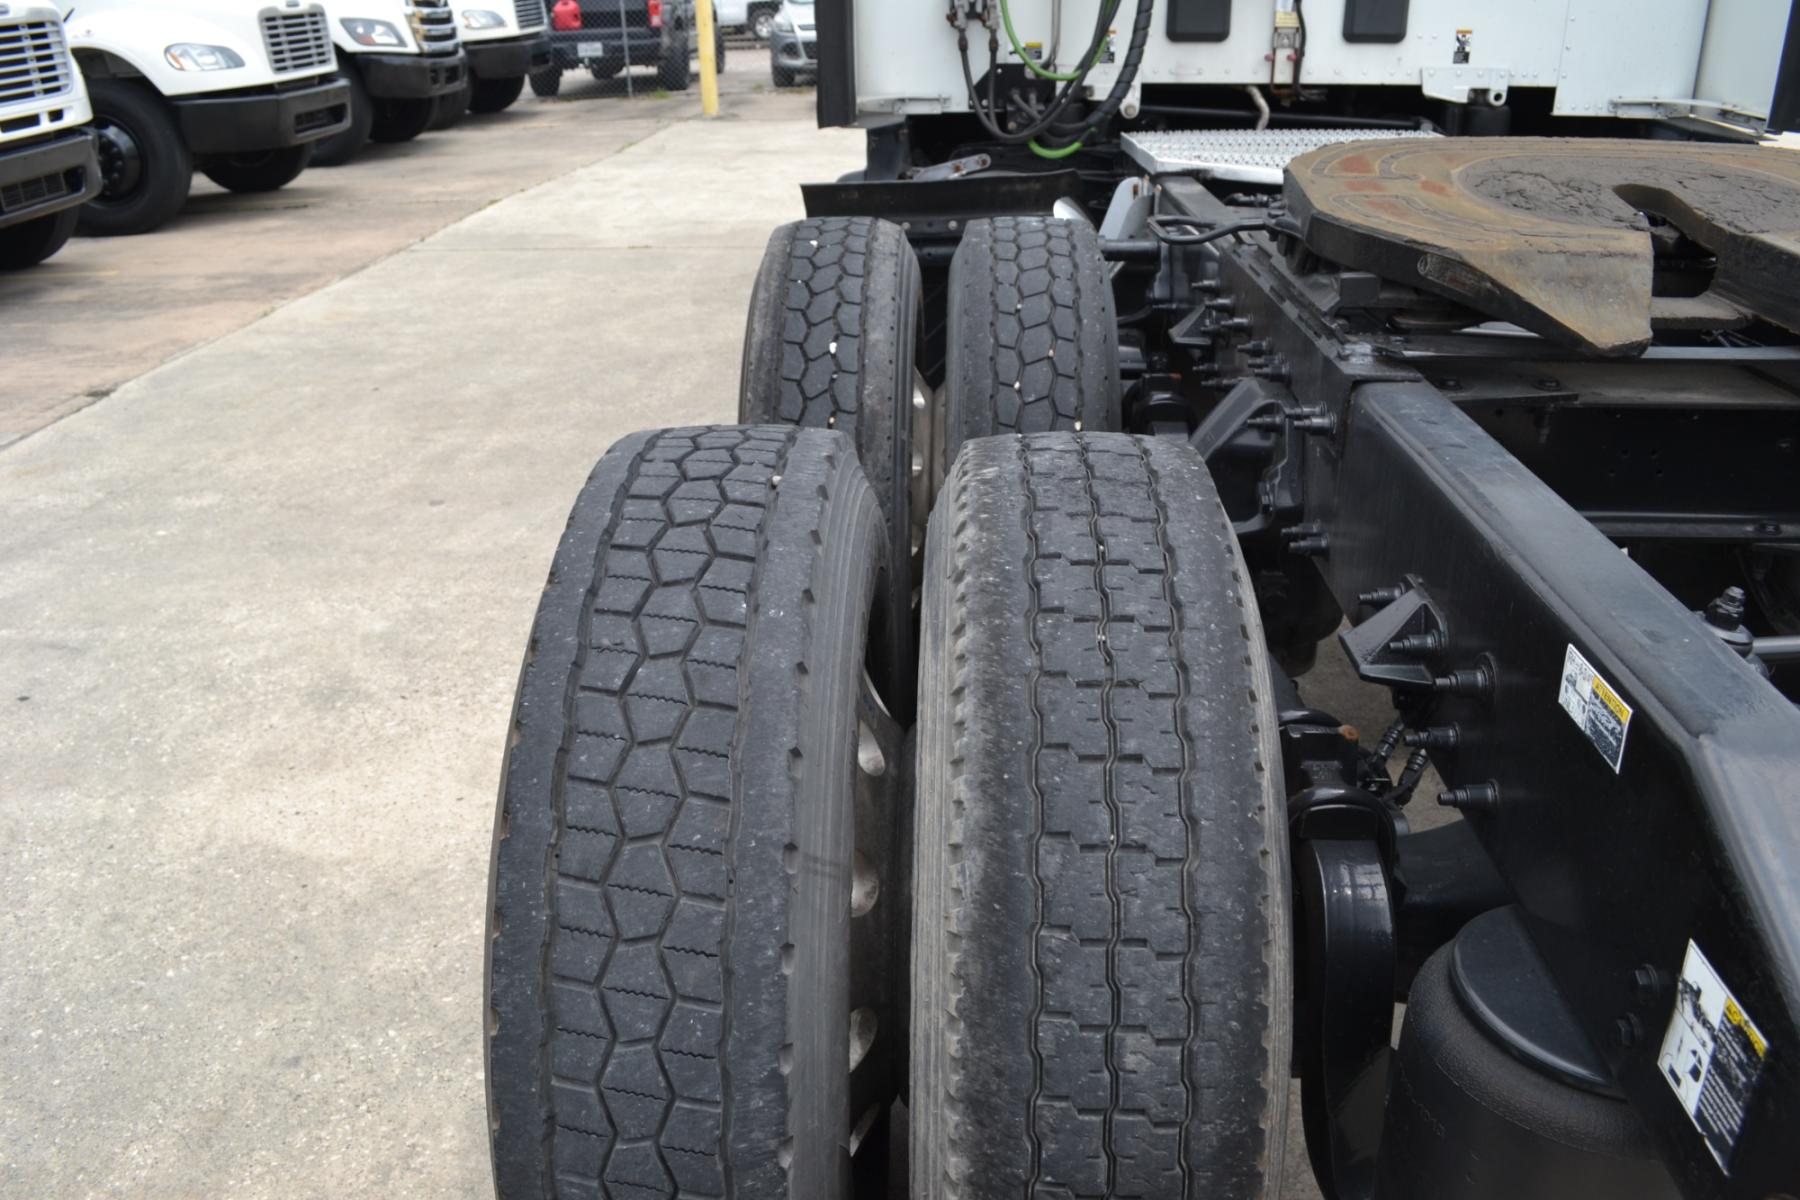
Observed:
{"x":1596,"y":707}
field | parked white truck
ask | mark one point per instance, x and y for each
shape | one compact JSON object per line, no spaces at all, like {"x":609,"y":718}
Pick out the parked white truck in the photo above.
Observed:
{"x":47,"y":161}
{"x":240,"y":91}
{"x":398,"y":57}
{"x":505,"y":42}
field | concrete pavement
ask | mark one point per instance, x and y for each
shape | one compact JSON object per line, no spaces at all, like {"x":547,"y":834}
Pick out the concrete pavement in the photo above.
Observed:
{"x":261,"y":615}
{"x":260,"y":619}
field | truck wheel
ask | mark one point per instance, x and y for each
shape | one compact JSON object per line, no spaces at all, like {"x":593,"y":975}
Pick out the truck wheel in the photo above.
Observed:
{"x":401,"y":120}
{"x":1101,"y":987}
{"x":30,"y":242}
{"x":267,"y":171}
{"x":782,"y":76}
{"x":686,"y":900}
{"x":546,"y":84}
{"x":495,"y":95}
{"x":448,"y":109}
{"x":672,"y":73}
{"x":762,"y":21}
{"x":829,"y":344}
{"x":1034,"y":342}
{"x":145,"y":166}
{"x":348,"y":142}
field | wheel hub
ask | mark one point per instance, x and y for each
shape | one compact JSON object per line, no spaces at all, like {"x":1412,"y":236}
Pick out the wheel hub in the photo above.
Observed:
{"x":121,"y":161}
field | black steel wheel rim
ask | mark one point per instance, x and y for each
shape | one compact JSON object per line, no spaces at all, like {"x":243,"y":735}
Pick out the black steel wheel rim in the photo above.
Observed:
{"x":121,"y":161}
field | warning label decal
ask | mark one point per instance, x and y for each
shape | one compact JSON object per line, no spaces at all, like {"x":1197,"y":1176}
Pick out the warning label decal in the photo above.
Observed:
{"x":1596,"y":706}
{"x":1712,"y":1055}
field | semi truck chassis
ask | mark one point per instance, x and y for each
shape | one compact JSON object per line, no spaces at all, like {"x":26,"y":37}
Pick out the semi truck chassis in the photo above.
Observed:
{"x":1511,"y":424}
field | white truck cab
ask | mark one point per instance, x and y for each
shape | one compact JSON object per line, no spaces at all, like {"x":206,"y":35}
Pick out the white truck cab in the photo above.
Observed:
{"x":240,"y":90}
{"x":399,"y":58}
{"x":505,"y":42}
{"x":48,"y":166}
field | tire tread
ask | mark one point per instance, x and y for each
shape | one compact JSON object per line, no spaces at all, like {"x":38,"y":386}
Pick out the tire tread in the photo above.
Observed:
{"x":1106,"y":879}
{"x":634,"y":1020}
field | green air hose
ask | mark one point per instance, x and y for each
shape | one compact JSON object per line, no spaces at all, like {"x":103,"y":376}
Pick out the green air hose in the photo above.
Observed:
{"x":1043,"y":152}
{"x":1031,"y":63}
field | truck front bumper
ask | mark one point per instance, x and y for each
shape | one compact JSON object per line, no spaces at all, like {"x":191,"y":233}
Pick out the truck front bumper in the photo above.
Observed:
{"x":48,"y":176}
{"x":411,"y":76}
{"x":271,"y":120}
{"x":508,"y":59}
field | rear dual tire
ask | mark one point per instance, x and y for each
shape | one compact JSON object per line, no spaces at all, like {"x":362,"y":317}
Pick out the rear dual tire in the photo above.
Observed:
{"x":831,"y":343}
{"x":1033,"y":331}
{"x":690,"y":938}
{"x":1100,"y":993}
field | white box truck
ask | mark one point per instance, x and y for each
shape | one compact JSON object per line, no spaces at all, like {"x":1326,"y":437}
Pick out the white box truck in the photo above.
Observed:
{"x":240,"y":91}
{"x":399,"y":58}
{"x":47,"y":161}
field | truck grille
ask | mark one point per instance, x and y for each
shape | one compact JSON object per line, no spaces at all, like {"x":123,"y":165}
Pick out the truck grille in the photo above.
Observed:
{"x":297,"y":41}
{"x":434,"y":25}
{"x":530,"y":14}
{"x":34,"y":61}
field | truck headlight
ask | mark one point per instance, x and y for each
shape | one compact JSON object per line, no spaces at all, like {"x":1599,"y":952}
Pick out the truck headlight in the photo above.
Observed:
{"x":482,"y":18}
{"x":365,"y":32}
{"x":197,"y":56}
{"x":784,"y":22}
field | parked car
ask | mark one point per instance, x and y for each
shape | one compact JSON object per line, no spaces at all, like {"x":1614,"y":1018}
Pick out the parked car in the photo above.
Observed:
{"x":48,"y":166}
{"x":794,"y":43}
{"x":591,"y":34}
{"x":398,"y":58}
{"x":752,"y":16}
{"x":241,"y":93}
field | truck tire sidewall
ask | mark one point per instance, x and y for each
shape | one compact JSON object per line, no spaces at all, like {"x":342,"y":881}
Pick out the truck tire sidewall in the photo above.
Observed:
{"x":789,"y":905}
{"x":495,"y":95}
{"x":30,"y":242}
{"x":399,"y":121}
{"x":449,"y":108}
{"x":164,"y":167}
{"x":261,"y":171}
{"x":858,"y":379}
{"x":344,"y":145}
{"x":762,"y":22}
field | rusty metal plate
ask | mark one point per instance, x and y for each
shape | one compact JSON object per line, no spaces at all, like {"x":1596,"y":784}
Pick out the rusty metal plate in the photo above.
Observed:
{"x":1551,"y":233}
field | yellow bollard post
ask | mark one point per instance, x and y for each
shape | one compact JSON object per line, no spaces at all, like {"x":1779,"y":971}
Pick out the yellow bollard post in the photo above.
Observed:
{"x":709,"y":57}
